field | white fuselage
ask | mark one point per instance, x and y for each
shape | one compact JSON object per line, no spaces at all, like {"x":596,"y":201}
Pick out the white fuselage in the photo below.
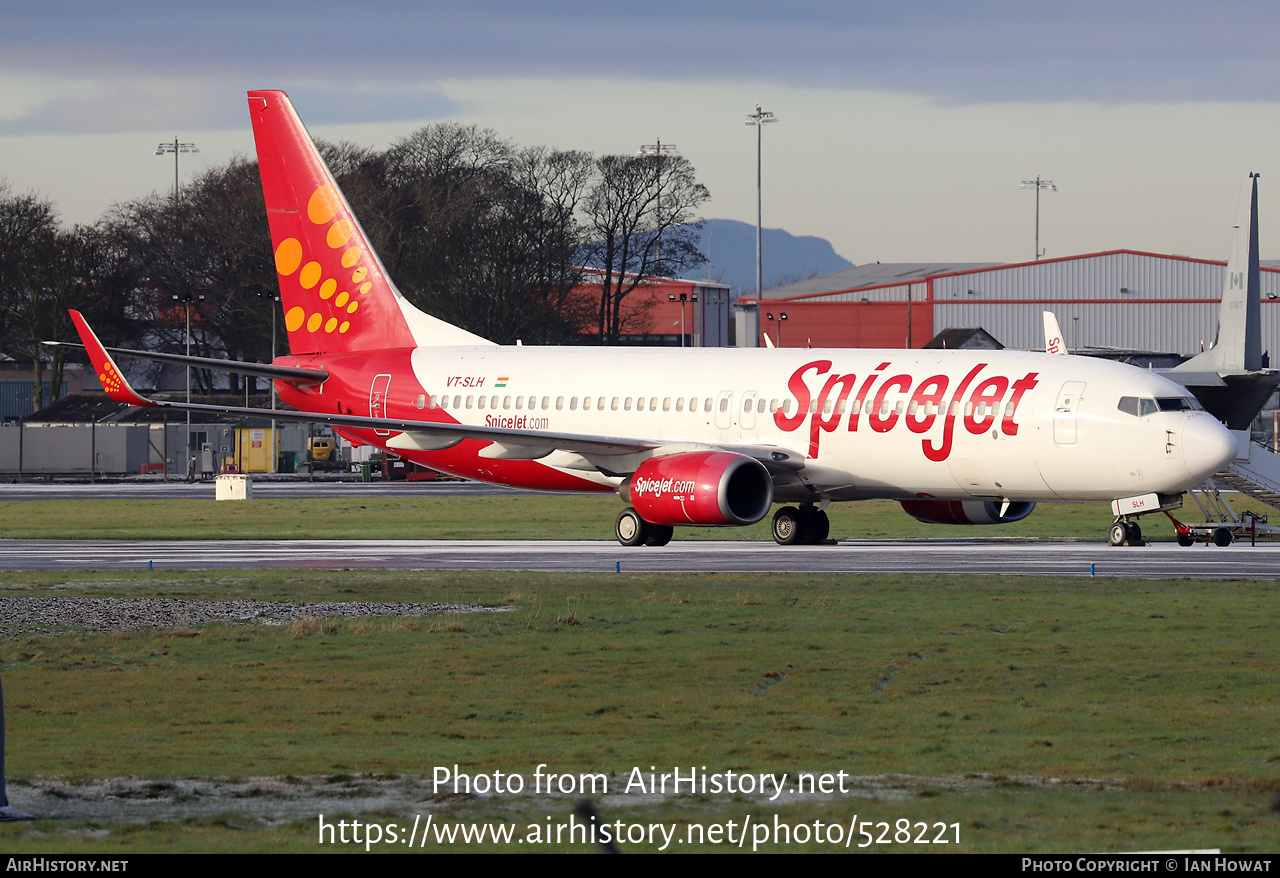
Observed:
{"x":870,"y":423}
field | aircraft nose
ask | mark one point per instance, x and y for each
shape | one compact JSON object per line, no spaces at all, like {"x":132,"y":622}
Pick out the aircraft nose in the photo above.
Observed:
{"x":1207,"y":446}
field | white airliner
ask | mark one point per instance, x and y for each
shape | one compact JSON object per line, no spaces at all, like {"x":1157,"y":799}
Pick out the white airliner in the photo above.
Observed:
{"x":692,"y":436}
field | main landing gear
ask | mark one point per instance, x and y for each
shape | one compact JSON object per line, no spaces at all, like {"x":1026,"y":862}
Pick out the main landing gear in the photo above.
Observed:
{"x":632,"y":530}
{"x":805,"y":525}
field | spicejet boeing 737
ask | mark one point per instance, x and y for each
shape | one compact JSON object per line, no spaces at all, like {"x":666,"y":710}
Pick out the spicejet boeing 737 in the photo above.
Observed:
{"x":692,"y":436}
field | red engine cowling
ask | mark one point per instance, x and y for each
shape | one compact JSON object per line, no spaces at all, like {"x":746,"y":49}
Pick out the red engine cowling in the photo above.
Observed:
{"x":700,"y":487}
{"x":965,"y":511}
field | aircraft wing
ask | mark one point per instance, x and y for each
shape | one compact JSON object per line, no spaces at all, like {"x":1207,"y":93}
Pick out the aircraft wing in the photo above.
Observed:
{"x":261,"y":370}
{"x":612,"y":454}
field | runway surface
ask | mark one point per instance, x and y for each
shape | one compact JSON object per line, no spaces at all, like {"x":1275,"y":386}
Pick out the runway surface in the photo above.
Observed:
{"x":1158,"y":561}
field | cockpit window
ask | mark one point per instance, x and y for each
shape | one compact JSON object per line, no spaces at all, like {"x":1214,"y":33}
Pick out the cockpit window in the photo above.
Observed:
{"x":1140,"y":408}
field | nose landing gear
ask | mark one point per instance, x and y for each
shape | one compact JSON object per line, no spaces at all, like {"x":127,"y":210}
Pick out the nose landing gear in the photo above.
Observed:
{"x":1125,"y":533}
{"x":1125,"y":530}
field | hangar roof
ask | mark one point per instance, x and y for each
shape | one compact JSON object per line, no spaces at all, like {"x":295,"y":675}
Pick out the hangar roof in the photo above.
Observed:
{"x":871,"y":275}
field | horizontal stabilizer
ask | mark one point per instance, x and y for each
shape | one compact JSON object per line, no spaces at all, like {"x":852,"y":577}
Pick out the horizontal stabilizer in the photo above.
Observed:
{"x":1195,"y":379}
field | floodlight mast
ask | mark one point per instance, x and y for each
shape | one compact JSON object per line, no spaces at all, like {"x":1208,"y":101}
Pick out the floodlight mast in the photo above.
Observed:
{"x":658,"y":149}
{"x":1038,"y":184}
{"x":175,"y":148}
{"x":759,"y":118}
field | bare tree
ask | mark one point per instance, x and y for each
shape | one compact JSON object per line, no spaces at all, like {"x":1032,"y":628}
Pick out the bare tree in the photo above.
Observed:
{"x":41,"y":268}
{"x":475,"y":230}
{"x":208,"y":250}
{"x":481,"y":233}
{"x":641,"y":223}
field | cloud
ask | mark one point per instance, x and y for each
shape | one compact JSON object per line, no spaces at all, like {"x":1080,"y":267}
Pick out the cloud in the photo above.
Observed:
{"x":163,"y":64}
{"x":136,"y":103}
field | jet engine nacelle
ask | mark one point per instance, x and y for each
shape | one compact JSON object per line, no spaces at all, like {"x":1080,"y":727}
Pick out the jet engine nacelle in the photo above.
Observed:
{"x":700,"y":487}
{"x":965,"y":511}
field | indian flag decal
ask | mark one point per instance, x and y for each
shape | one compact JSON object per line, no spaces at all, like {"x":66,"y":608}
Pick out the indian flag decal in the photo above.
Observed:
{"x":501,"y":382}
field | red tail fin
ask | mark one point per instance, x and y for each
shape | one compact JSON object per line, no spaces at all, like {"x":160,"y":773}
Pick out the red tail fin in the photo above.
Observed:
{"x":335,"y":293}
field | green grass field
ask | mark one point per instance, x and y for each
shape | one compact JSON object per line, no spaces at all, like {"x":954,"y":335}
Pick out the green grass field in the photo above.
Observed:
{"x":1039,"y":714}
{"x":530,"y":516}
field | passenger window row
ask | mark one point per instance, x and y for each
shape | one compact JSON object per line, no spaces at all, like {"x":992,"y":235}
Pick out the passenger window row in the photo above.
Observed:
{"x":574,"y":403}
{"x":760,"y":405}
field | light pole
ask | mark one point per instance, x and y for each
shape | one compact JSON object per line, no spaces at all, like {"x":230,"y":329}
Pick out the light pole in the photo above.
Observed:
{"x":175,"y":148}
{"x":186,"y":304}
{"x":682,"y":299}
{"x":782,"y":316}
{"x":1038,"y":184}
{"x":660,"y":150}
{"x":759,"y":118}
{"x":275,"y":445}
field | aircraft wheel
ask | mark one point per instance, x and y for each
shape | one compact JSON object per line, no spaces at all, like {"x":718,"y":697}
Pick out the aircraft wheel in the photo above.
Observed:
{"x":819,"y":527}
{"x":806,"y":525}
{"x":1223,"y":537}
{"x":630,"y":528}
{"x":1186,"y":540}
{"x":1119,"y":533}
{"x":659,"y":534}
{"x":1135,"y":533}
{"x":788,"y":526}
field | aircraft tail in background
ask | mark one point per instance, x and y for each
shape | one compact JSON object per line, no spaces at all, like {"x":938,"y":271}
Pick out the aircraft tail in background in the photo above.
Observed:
{"x":1230,"y":378}
{"x":1238,"y":346}
{"x":334,"y":290}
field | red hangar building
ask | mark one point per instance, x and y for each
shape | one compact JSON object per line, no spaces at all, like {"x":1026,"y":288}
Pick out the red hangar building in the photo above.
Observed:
{"x":1117,"y":299}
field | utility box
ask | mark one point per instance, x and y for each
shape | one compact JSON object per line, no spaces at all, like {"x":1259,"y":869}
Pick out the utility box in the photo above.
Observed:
{"x":255,"y":449}
{"x":237,"y":487}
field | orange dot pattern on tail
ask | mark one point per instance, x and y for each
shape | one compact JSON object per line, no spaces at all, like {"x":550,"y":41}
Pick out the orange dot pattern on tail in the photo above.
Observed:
{"x":332,"y":275}
{"x":112,"y":383}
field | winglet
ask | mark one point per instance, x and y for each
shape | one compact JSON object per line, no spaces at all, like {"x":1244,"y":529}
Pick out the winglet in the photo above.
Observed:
{"x":113,"y":381}
{"x":1053,"y":342}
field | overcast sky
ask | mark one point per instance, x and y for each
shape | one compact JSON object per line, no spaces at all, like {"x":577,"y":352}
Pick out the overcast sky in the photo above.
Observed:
{"x":904,"y":128}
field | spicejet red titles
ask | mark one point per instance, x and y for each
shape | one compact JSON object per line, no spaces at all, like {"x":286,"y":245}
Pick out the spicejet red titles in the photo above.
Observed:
{"x":926,"y":405}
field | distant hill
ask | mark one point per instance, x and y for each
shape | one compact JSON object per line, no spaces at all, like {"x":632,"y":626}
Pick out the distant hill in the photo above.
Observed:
{"x":787,"y":258}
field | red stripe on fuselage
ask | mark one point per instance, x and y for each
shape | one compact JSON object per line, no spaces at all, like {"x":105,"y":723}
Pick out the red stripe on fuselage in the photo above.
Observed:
{"x":348,"y":391}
